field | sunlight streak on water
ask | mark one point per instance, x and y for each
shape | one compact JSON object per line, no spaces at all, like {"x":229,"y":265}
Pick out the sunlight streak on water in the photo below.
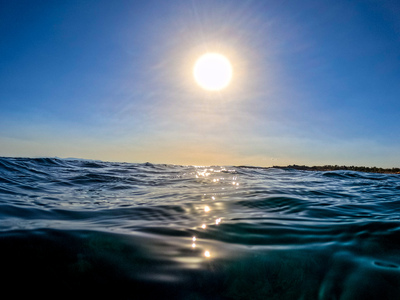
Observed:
{"x":291,"y":234}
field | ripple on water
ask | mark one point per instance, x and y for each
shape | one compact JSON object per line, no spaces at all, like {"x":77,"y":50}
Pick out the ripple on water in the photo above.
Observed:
{"x":198,"y":232}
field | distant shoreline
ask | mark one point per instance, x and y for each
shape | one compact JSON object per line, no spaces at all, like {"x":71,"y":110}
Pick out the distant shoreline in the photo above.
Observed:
{"x":342,"y":168}
{"x":294,"y":166}
{"x":333,"y":168}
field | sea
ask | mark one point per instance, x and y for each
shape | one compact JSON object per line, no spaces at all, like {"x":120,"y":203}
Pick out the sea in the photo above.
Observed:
{"x":88,"y":229}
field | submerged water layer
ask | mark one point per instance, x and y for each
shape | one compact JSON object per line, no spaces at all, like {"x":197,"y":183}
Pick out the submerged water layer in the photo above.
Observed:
{"x":141,"y":231}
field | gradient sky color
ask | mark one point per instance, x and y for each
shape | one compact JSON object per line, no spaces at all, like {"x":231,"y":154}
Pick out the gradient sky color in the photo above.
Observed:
{"x":315,"y":82}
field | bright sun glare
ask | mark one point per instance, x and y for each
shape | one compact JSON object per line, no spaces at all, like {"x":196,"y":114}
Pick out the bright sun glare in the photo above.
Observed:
{"x":213,"y":71}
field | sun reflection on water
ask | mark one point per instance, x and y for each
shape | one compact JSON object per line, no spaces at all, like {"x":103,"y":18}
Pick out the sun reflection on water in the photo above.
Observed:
{"x":219,"y":182}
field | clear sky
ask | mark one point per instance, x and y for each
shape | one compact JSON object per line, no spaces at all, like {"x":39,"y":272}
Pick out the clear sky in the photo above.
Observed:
{"x":314,"y":82}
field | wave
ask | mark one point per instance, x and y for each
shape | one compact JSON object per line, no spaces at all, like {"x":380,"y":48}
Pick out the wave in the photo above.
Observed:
{"x":187,"y":232}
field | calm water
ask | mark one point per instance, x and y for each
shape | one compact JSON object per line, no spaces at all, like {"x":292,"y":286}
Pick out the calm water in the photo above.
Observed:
{"x":142,"y":231}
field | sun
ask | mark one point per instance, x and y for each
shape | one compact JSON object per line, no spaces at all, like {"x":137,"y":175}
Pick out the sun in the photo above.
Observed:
{"x":213,"y":71}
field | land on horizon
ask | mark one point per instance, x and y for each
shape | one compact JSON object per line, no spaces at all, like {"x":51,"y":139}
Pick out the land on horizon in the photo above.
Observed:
{"x":334,"y":168}
{"x":346,"y":168}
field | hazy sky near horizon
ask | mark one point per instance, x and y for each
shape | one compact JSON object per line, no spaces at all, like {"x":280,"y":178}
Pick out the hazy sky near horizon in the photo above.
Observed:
{"x":315,"y":82}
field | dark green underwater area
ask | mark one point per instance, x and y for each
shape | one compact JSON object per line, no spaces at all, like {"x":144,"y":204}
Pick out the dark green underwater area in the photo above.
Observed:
{"x":79,"y":228}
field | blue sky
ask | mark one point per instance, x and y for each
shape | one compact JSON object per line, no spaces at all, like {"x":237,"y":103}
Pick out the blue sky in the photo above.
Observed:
{"x":315,"y":82}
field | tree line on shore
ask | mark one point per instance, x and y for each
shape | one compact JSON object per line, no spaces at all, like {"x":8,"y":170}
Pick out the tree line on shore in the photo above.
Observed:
{"x":347,"y":168}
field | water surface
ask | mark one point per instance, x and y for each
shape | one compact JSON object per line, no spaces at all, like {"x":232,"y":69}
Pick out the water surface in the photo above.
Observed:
{"x":144,"y":231}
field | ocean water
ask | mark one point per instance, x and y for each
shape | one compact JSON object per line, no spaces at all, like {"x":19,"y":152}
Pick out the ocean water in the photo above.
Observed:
{"x":78,"y":228}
